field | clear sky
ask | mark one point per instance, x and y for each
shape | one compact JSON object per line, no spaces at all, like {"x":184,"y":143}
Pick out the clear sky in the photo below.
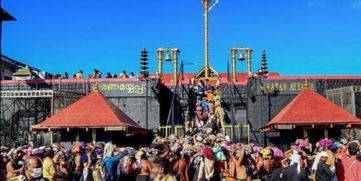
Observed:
{"x":301,"y":37}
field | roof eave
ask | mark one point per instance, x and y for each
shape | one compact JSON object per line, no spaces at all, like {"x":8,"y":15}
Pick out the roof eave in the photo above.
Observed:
{"x":5,"y":16}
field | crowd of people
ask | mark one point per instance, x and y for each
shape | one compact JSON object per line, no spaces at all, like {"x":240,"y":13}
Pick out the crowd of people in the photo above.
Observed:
{"x":95,"y":74}
{"x":199,"y":157}
{"x":204,"y":153}
{"x":208,"y":113}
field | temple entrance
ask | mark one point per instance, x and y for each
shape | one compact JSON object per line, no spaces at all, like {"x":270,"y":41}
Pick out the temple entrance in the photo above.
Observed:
{"x":315,"y":134}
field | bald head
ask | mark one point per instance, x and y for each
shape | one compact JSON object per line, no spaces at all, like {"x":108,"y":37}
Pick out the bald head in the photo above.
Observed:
{"x":33,"y":167}
{"x":33,"y":162}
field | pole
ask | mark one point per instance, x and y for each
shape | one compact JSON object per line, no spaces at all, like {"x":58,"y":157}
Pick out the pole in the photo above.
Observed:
{"x":171,"y":109}
{"x":269,"y":94}
{"x":260,"y":121}
{"x":146,"y":102}
{"x":206,"y":62}
{"x":77,"y":136}
{"x":232,"y":103}
{"x":228,"y":76}
{"x":182,"y":70}
{"x":94,"y":136}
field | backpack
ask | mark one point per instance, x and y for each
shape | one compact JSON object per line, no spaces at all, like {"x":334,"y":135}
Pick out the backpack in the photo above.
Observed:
{"x":100,"y":173}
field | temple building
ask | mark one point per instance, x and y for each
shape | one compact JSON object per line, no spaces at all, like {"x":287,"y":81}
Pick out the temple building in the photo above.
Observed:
{"x":260,"y":105}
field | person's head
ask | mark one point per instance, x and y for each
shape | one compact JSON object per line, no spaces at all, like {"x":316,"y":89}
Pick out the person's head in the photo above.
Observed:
{"x":323,"y":156}
{"x":101,"y":145}
{"x":132,"y":73}
{"x":202,"y":82}
{"x":33,"y":168}
{"x":61,"y":156}
{"x":306,"y":138}
{"x":49,"y":152}
{"x":353,"y":148}
{"x":160,"y":167}
{"x":17,"y":155}
{"x":108,"y":150}
{"x":295,"y":158}
{"x":177,"y":155}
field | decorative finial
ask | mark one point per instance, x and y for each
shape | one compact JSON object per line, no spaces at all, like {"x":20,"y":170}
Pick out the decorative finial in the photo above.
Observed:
{"x":263,"y":71}
{"x":264,"y":63}
{"x":306,"y":84}
{"x":144,"y":63}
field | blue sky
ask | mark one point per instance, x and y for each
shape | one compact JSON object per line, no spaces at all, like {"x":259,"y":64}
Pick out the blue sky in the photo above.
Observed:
{"x":301,"y":37}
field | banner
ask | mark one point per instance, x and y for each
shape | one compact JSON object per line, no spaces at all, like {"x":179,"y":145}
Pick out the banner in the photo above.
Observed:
{"x":120,"y":89}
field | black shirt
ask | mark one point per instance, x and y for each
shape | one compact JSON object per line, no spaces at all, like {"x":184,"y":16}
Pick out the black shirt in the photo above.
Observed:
{"x":323,"y":172}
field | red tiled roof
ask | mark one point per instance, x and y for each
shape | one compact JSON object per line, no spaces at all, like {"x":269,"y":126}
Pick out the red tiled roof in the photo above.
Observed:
{"x":310,"y":108}
{"x":91,"y":111}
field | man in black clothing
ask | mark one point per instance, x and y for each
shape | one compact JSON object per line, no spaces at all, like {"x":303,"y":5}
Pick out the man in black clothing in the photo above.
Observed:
{"x":295,"y":172}
{"x":323,"y":172}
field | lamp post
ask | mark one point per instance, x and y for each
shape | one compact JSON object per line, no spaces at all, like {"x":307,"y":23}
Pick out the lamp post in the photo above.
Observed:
{"x":242,"y":57}
{"x":182,"y":67}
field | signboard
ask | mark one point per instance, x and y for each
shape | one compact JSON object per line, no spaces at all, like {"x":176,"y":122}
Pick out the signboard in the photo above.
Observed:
{"x":115,"y":128}
{"x":134,"y":88}
{"x":284,"y":126}
{"x":285,"y":86}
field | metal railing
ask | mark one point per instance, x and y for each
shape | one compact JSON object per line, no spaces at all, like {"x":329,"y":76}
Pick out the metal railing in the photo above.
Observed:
{"x":237,"y":132}
{"x":167,"y":130}
{"x":27,"y":93}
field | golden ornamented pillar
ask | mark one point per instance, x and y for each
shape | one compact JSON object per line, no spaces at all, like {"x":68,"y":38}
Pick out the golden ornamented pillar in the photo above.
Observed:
{"x":234,"y":64}
{"x":175,"y":52}
{"x":249,"y":61}
{"x":160,"y":61}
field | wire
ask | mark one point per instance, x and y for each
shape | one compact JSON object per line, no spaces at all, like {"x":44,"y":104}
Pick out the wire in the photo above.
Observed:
{"x":213,"y":5}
